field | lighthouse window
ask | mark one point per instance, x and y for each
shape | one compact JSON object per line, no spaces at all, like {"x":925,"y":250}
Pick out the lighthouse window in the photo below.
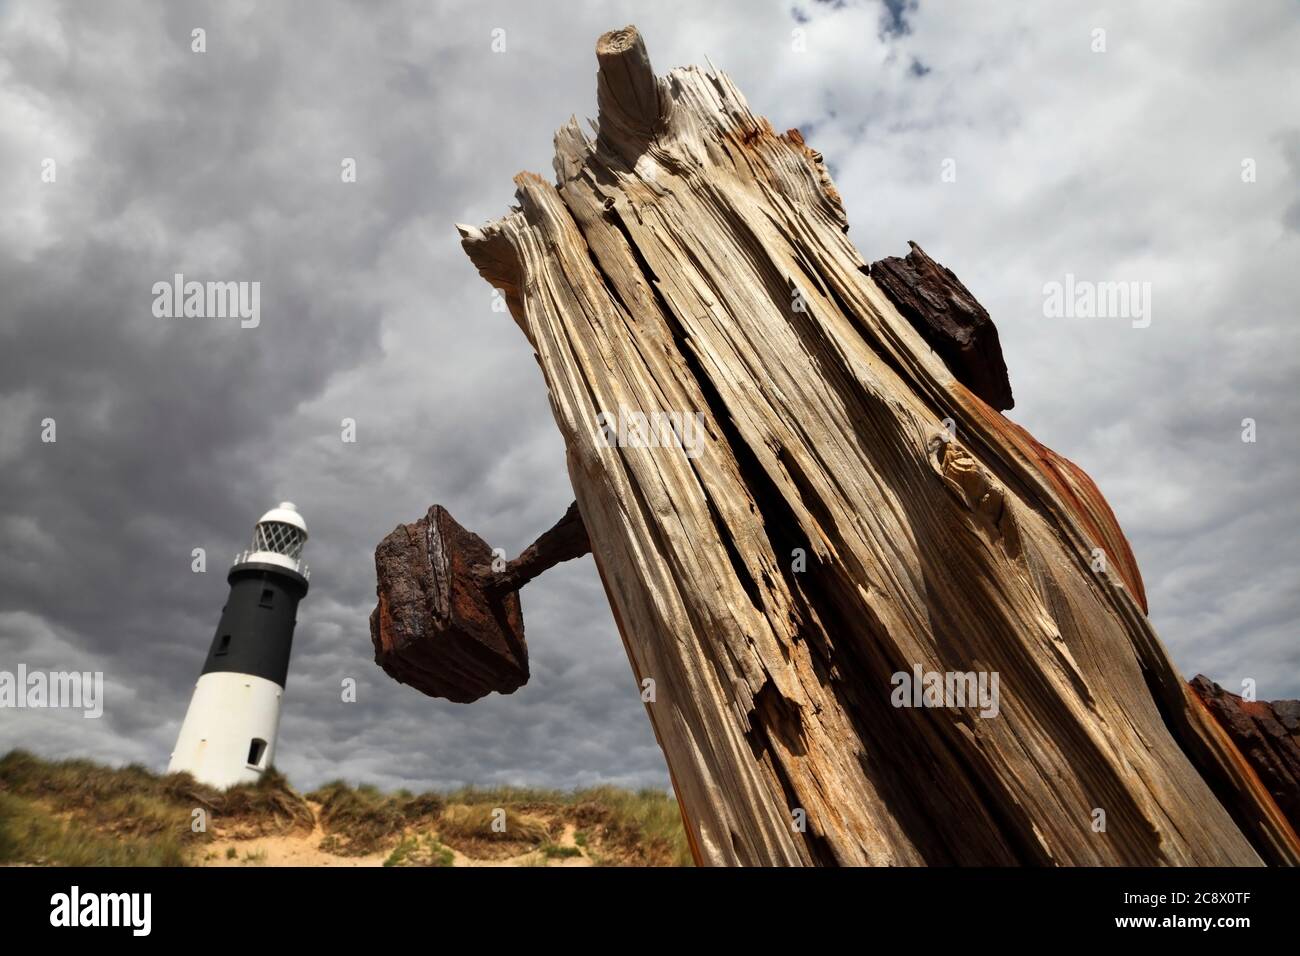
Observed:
{"x":256,"y":751}
{"x":279,"y":537}
{"x":223,"y":645}
{"x":267,"y":595}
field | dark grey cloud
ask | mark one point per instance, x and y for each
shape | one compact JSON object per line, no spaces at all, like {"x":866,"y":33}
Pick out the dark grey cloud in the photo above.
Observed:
{"x":176,"y":434}
{"x":894,"y":18}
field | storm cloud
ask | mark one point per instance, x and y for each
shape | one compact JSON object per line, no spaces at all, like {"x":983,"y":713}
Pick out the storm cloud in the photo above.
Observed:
{"x":997,"y":136}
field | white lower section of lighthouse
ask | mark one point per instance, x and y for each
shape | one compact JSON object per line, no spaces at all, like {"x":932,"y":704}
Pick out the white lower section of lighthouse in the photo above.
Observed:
{"x":228,"y":736}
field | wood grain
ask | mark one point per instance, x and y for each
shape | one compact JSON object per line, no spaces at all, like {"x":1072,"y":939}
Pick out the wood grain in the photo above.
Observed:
{"x":690,"y":259}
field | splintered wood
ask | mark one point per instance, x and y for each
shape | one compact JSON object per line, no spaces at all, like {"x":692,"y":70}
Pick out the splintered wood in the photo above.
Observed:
{"x":857,"y":518}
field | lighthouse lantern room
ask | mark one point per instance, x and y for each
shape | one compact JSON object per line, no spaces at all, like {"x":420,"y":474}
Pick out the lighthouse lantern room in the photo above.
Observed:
{"x":228,"y":735}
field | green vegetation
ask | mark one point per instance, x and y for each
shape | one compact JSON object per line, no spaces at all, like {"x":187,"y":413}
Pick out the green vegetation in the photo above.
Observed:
{"x":642,"y":828}
{"x":79,"y":813}
{"x":32,"y":834}
{"x":553,"y":851}
{"x":361,"y":820}
{"x":421,"y":850}
{"x":483,"y":822}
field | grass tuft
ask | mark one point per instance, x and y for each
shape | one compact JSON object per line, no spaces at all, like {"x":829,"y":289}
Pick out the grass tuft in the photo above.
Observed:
{"x":421,"y":850}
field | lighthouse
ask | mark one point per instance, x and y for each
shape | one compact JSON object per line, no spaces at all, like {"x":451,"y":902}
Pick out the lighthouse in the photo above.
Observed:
{"x":228,"y":736}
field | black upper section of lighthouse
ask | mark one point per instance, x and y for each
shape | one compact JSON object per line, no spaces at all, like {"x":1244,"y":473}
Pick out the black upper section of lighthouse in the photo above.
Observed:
{"x":255,"y":635}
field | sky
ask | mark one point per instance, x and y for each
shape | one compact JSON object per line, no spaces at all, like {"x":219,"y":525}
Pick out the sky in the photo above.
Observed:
{"x":1014,"y":142}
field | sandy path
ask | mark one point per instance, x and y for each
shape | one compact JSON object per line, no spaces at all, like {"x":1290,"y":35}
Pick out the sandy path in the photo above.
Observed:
{"x":288,"y":850}
{"x":304,"y":850}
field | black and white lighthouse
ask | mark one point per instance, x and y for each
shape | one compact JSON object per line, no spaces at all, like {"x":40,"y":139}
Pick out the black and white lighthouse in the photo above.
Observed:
{"x":228,"y":736}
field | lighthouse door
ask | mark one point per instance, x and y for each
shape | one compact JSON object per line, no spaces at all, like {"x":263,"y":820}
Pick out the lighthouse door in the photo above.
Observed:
{"x":256,"y":751}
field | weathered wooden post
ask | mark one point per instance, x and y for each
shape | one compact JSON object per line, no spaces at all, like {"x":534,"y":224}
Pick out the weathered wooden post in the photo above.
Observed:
{"x":859,"y":510}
